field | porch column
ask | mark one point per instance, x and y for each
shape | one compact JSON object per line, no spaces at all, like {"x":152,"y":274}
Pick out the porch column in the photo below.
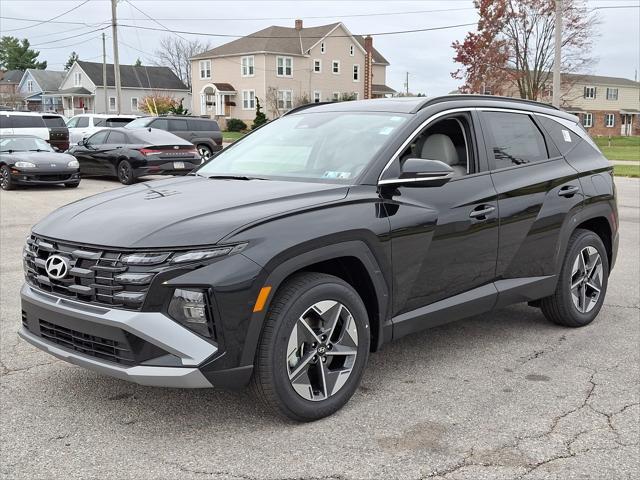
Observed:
{"x":218,"y":100}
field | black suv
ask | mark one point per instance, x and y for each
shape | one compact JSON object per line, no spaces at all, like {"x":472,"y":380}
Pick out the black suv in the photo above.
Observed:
{"x":319,"y":237}
{"x":204,"y":133}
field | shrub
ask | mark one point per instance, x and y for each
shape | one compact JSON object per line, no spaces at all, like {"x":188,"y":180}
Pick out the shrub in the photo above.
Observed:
{"x":261,"y":118}
{"x":235,"y":125}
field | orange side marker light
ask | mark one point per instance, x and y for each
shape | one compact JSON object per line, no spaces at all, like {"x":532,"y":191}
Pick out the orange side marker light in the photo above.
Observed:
{"x":262,"y":299}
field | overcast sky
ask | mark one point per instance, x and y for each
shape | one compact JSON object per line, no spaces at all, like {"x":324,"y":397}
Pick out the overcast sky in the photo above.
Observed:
{"x":427,"y":56}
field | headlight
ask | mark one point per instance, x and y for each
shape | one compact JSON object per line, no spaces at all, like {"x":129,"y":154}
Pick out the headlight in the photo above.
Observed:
{"x":73,"y":164}
{"x":25,"y":165}
{"x":197,"y":255}
{"x":145,"y":258}
{"x":189,"y":307}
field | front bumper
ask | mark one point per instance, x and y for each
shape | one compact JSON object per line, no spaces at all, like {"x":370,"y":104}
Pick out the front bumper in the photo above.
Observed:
{"x":46,"y":177}
{"x":182,"y":350}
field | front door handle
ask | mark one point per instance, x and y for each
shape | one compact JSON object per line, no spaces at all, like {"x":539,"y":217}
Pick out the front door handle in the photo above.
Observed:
{"x":568,"y":191}
{"x":481,"y":211}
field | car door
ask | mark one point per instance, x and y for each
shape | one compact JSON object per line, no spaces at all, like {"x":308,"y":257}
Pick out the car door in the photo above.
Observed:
{"x":537,"y":189}
{"x":88,"y":155}
{"x":111,"y":151}
{"x":444,"y":238}
{"x":179,"y":127}
{"x":78,"y":129}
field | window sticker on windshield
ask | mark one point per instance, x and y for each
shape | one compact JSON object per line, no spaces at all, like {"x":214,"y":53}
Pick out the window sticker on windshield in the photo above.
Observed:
{"x":385,"y":130}
{"x":566,"y":136}
{"x":340,"y":175}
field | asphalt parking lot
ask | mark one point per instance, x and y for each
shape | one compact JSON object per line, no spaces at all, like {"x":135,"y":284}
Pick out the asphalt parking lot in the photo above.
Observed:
{"x":500,"y":396}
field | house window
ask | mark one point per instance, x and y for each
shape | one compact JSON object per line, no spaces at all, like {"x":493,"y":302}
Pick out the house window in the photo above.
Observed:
{"x":317,"y":96}
{"x":317,"y":66}
{"x":205,"y":69}
{"x":356,"y":73}
{"x":134,"y":104}
{"x":587,"y":120}
{"x":285,"y":99}
{"x":336,"y":96}
{"x":284,"y":66}
{"x":335,"y":67}
{"x":112,"y":104}
{"x":248,"y":99}
{"x":77,"y":79}
{"x":589,"y":92}
{"x":322,"y":49}
{"x":247,"y":66}
{"x":609,"y":119}
{"x":29,"y":85}
{"x":612,"y":94}
{"x":351,"y":50}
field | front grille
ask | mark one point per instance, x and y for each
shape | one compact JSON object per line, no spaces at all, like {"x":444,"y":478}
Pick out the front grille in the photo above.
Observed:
{"x":103,"y":348}
{"x":52,"y":177}
{"x":92,"y":274}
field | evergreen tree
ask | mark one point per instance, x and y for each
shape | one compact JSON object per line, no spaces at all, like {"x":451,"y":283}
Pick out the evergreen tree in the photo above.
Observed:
{"x":16,"y":55}
{"x":261,"y":118}
{"x":72,"y":58}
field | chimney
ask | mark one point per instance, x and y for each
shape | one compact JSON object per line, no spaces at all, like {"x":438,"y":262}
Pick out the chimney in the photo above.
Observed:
{"x":298,"y":24}
{"x":368,"y":66}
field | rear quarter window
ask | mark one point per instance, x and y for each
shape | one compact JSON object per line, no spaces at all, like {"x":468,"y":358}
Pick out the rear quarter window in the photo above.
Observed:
{"x":111,"y":122}
{"x":565,"y":139}
{"x":27,"y":121}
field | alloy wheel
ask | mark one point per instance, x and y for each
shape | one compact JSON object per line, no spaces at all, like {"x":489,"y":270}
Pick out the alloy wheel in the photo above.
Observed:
{"x":322,"y":350}
{"x":586,"y":279}
{"x":124,"y":172}
{"x":4,"y":181}
{"x":205,"y":153}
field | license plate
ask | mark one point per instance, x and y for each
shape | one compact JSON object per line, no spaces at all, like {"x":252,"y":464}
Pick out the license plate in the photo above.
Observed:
{"x":178,"y":165}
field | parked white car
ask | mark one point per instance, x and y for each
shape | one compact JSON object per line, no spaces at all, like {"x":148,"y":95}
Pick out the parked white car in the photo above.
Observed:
{"x":86,"y":124}
{"x":23,"y":123}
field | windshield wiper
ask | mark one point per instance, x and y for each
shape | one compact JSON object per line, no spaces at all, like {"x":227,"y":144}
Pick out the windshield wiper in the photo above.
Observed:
{"x":234,"y":177}
{"x":38,"y":150}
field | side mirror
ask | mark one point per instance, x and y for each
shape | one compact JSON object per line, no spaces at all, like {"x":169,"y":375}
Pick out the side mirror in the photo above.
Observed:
{"x":421,"y":172}
{"x":56,"y":149}
{"x":82,"y":142}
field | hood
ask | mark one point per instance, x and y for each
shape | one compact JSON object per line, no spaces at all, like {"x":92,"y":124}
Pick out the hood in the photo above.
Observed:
{"x":61,"y":159}
{"x":178,"y":212}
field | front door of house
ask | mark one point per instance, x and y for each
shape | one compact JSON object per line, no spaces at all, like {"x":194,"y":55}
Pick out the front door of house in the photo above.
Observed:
{"x":626,"y":124}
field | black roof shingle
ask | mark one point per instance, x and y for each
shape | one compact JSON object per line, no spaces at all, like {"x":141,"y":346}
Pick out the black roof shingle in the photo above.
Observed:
{"x":134,"y":77}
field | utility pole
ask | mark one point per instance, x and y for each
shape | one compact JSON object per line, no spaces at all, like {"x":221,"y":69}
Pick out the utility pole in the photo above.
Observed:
{"x":104,"y":72}
{"x":406,"y":84}
{"x":557,"y":57}
{"x":116,"y":62}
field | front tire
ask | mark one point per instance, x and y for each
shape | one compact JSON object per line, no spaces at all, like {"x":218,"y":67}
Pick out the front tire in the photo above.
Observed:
{"x":582,"y":283}
{"x":313,"y":348}
{"x":125,"y":173}
{"x":6,"y":182}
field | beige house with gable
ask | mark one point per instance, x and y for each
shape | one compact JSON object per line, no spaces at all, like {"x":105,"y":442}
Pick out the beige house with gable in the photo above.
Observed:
{"x":284,"y":67}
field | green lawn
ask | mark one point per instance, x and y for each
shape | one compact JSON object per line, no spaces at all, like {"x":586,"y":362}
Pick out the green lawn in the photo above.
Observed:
{"x":631,"y":170}
{"x":232,"y":136}
{"x":622,"y":148}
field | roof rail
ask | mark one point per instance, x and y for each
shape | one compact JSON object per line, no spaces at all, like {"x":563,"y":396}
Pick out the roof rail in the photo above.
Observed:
{"x":304,"y":107}
{"x":474,"y":96}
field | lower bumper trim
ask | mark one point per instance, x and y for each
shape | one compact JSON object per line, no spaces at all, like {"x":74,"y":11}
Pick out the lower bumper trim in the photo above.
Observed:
{"x":176,"y":377}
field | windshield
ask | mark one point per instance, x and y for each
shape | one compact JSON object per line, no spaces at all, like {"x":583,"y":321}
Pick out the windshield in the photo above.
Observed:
{"x":331,"y":147}
{"x":140,"y":122}
{"x":111,"y":122}
{"x":23,"y":144}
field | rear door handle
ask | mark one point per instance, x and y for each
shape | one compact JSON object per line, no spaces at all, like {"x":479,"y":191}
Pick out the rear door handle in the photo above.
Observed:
{"x":568,"y":191}
{"x":481,"y":211}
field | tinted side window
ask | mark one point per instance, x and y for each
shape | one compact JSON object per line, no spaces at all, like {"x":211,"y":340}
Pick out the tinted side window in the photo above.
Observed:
{"x":117,"y":138}
{"x":564,"y":138}
{"x":53,"y":121}
{"x":82,"y":122}
{"x":27,"y":121}
{"x":177,"y":125}
{"x":203,"y":126}
{"x":98,"y":138}
{"x":513,"y":139}
{"x":5,"y":121}
{"x":160,"y":123}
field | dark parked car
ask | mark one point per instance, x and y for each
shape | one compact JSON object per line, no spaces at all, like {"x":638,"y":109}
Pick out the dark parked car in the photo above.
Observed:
{"x":204,"y":133}
{"x":321,"y":236}
{"x":29,"y":160}
{"x":131,"y":153}
{"x":58,"y":131}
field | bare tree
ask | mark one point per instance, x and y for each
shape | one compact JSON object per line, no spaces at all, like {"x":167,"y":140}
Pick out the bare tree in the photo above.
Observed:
{"x":514,"y":43}
{"x":175,"y":53}
{"x":271,"y":99}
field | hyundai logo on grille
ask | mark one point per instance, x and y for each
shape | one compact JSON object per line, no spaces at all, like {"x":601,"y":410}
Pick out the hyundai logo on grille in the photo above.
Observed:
{"x":57,"y":267}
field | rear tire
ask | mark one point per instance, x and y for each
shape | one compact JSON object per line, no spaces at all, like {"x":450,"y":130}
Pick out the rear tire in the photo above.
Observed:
{"x":313,"y":347}
{"x":205,"y":152}
{"x":6,"y":182}
{"x":582,"y":284}
{"x":125,"y":173}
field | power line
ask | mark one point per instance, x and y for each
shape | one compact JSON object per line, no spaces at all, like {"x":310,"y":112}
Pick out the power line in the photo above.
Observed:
{"x":46,"y":21}
{"x":206,"y":34}
{"x":69,"y":38}
{"x":84,"y":40}
{"x":153,"y":20}
{"x":40,"y":22}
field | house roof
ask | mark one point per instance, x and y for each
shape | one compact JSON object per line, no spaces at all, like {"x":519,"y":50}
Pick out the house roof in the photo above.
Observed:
{"x":275,"y":39}
{"x":134,"y":77}
{"x":48,"y":80}
{"x":224,"y":87}
{"x":11,"y":76}
{"x":80,"y":91}
{"x":598,"y":79}
{"x":379,"y":88}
